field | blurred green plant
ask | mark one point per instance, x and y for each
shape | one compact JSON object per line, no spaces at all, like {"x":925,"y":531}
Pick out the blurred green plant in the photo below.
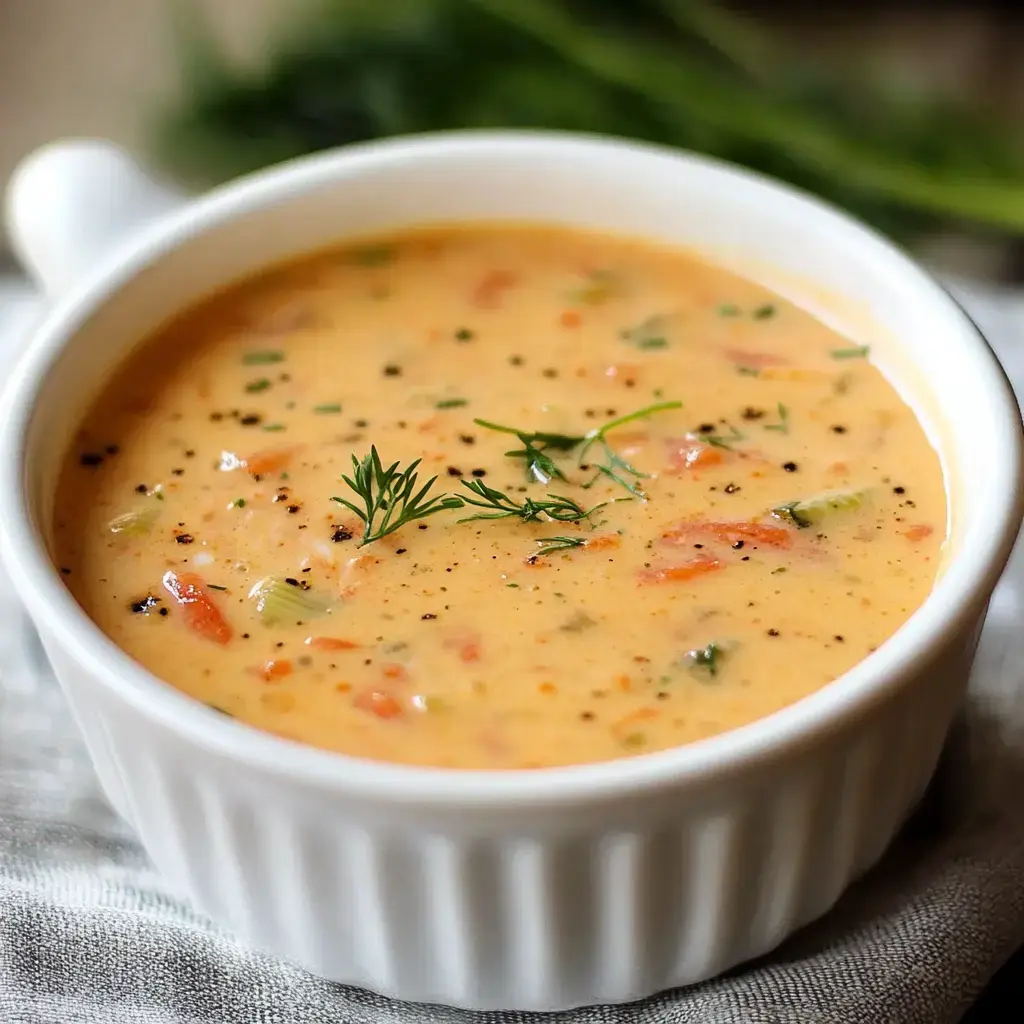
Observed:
{"x":687,"y":73}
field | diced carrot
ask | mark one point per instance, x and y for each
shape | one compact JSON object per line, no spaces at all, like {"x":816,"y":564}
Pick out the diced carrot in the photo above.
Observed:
{"x":603,"y":542}
{"x":330,"y":643}
{"x":570,"y":318}
{"x":467,"y":644}
{"x":200,"y":612}
{"x":378,"y":702}
{"x":691,"y":454}
{"x":640,"y":715}
{"x":918,"y":532}
{"x":273,"y":460}
{"x":699,"y":566}
{"x":470,"y":652}
{"x":755,"y":360}
{"x":730,"y":533}
{"x":271,"y":671}
{"x":395,"y":671}
{"x":487,"y":292}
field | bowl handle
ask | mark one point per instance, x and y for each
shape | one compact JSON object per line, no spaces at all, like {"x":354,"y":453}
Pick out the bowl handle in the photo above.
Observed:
{"x":71,"y":203}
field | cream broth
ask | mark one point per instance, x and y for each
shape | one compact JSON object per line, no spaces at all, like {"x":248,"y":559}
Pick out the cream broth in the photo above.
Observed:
{"x":690,"y":569}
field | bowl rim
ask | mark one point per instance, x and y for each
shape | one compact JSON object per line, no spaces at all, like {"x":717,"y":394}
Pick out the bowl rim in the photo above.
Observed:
{"x":966,"y":585}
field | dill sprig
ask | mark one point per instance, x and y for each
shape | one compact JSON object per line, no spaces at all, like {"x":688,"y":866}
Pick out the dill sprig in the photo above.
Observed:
{"x":390,"y":498}
{"x":555,"y":507}
{"x":549,"y":545}
{"x":541,"y":468}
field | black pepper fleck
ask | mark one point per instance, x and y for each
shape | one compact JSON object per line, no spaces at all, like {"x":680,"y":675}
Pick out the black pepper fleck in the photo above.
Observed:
{"x":291,"y":581}
{"x":773,"y":632}
{"x":428,"y":616}
{"x":90,"y":459}
{"x":250,"y":419}
{"x":454,"y":471}
{"x":184,"y":538}
{"x":738,"y":545}
{"x":294,"y":508}
{"x":391,"y":370}
{"x":467,"y":438}
{"x":111,"y":449}
{"x":178,"y":472}
{"x":401,"y":551}
{"x":341,"y":533}
{"x":163,"y":611}
{"x":839,"y":638}
{"x":790,"y":467}
{"x":549,"y":372}
{"x":750,"y":413}
{"x":479,"y":472}
{"x":838,"y":428}
{"x":732,"y":488}
{"x":141,"y":489}
{"x":899,"y":490}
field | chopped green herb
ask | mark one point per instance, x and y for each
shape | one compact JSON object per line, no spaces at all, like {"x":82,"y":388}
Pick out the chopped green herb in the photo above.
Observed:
{"x":782,"y":426}
{"x":239,"y":503}
{"x":463,"y":334}
{"x":514,"y":586}
{"x":728,"y":309}
{"x":648,"y":334}
{"x":451,"y":403}
{"x":555,"y":507}
{"x":777,"y":572}
{"x":725,"y":441}
{"x":257,"y":385}
{"x":601,"y":285}
{"x":858,"y":352}
{"x":327,"y":409}
{"x":542,"y":468}
{"x":748,"y":371}
{"x":765,"y":312}
{"x":371,"y":255}
{"x":634,"y":740}
{"x":390,"y":498}
{"x":549,"y":545}
{"x":262,"y":356}
{"x":706,"y":660}
{"x":274,"y":428}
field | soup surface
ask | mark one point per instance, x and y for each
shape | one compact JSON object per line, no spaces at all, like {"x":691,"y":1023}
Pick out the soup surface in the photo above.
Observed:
{"x":675,"y":502}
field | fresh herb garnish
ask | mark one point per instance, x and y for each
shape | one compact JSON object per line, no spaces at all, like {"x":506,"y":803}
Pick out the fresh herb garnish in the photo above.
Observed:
{"x":725,"y":441}
{"x":728,"y":309}
{"x":257,"y":385}
{"x":765,"y":312}
{"x":791,"y":512}
{"x":327,"y":409}
{"x":748,"y":371}
{"x":549,"y":545}
{"x":601,"y":286}
{"x":239,"y":503}
{"x":541,"y":468}
{"x":451,"y":403}
{"x":782,"y":426}
{"x":274,"y":428}
{"x":390,"y":497}
{"x":648,"y":334}
{"x":706,"y":660}
{"x":554,"y":506}
{"x":262,"y":357}
{"x":857,"y":352}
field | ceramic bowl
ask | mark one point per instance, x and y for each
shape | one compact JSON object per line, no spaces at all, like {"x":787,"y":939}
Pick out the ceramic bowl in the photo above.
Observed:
{"x":533,"y":890}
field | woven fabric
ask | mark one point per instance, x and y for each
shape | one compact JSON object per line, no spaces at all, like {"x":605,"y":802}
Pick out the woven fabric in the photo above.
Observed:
{"x":90,"y":934}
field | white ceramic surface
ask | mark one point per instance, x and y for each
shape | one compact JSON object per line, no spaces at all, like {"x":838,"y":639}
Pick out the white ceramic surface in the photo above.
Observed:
{"x":529,"y":890}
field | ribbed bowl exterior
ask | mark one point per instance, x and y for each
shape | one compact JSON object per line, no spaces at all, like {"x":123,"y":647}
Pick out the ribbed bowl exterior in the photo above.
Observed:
{"x":530,"y":908}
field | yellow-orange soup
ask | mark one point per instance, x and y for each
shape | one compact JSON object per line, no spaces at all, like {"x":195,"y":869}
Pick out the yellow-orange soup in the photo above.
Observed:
{"x":621,"y":573}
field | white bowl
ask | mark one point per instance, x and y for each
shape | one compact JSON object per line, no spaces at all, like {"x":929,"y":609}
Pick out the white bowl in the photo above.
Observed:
{"x":530,"y":890}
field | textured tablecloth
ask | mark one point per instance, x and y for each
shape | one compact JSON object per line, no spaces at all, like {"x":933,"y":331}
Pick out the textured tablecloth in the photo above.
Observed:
{"x":90,"y":934}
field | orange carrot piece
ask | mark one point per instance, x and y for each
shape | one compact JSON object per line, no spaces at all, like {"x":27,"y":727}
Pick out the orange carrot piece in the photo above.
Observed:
{"x":699,"y":566}
{"x":487,"y":293}
{"x":918,"y":532}
{"x":200,"y":612}
{"x":271,"y":671}
{"x":730,"y":533}
{"x":755,"y":360}
{"x":378,"y":702}
{"x":273,"y":460}
{"x":395,"y":671}
{"x":603,"y":542}
{"x":640,"y":715}
{"x":570,"y":318}
{"x":330,"y":643}
{"x":690,"y":453}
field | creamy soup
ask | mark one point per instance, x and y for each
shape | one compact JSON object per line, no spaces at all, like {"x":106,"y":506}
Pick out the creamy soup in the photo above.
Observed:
{"x":667,"y":502}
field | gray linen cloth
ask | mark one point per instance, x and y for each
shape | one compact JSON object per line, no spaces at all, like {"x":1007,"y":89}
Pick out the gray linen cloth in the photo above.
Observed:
{"x":90,"y":934}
